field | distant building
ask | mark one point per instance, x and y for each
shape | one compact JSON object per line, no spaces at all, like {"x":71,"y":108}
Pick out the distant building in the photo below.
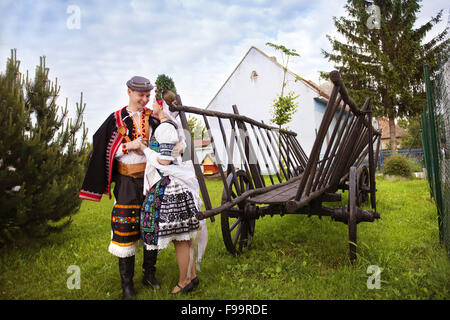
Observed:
{"x":202,"y":149}
{"x":209,"y":165}
{"x":205,"y":154}
{"x":383,"y":124}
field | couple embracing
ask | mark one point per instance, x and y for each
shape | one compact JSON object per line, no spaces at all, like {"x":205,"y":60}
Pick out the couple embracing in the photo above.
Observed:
{"x":156,"y":194}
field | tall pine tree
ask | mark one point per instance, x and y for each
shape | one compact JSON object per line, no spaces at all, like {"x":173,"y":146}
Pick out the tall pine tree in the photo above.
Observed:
{"x":41,"y":162}
{"x":384,"y":54}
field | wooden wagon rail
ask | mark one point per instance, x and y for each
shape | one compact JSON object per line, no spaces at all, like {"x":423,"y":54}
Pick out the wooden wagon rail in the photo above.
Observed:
{"x":299,"y":184}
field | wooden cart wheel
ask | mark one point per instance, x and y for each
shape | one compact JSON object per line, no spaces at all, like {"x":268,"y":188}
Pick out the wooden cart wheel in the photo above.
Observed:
{"x":363,"y":186}
{"x":352,"y":207}
{"x":237,"y":231}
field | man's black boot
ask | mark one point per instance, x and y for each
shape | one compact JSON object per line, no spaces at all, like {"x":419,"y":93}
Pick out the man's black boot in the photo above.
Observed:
{"x":149,"y":269}
{"x":126,"y":269}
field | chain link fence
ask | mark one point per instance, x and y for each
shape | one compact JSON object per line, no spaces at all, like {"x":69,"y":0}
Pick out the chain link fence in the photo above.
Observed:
{"x":435,"y":124}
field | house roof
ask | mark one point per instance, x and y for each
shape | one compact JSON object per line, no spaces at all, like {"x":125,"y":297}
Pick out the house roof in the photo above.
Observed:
{"x":207,"y":161}
{"x":309,"y":83}
{"x":211,"y":157}
{"x":385,"y":132}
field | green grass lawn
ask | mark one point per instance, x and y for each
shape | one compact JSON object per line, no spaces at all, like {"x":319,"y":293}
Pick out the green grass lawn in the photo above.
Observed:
{"x":291,"y":257}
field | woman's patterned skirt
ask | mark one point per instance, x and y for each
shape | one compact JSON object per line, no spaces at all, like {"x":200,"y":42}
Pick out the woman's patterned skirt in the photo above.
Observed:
{"x":168,"y":213}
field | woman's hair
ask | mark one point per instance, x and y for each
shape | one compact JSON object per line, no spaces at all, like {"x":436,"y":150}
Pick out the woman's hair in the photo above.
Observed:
{"x":169,"y":97}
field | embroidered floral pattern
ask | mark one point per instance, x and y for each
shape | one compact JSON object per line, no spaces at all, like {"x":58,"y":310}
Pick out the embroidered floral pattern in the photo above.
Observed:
{"x":154,"y":145}
{"x":166,"y":149}
{"x":125,"y":219}
{"x":136,"y":133}
{"x":150,"y":212}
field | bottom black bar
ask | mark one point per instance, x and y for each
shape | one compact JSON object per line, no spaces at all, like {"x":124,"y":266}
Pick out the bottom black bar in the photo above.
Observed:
{"x":221,"y":309}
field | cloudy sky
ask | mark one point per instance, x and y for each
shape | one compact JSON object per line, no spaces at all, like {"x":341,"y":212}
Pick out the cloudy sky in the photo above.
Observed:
{"x":94,"y":47}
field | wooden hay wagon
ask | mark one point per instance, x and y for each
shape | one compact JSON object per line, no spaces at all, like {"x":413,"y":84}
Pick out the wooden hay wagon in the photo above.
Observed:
{"x":298,"y":184}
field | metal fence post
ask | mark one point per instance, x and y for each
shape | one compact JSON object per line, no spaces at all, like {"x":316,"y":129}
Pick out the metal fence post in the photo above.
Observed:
{"x":434,"y":152}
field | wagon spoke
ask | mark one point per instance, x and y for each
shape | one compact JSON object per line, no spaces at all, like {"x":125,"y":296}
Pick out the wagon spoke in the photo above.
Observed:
{"x":242,"y":184}
{"x":237,"y":234}
{"x":238,"y":220}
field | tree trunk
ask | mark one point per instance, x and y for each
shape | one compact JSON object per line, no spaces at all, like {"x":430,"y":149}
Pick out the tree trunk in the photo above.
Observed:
{"x":392,"y":134}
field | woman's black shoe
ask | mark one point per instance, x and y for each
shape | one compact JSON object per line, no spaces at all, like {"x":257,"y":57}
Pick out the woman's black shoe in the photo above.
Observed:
{"x":186,"y":289}
{"x":195,"y":281}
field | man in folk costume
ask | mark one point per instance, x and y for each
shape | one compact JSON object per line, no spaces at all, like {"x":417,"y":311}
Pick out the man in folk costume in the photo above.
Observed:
{"x":116,"y":157}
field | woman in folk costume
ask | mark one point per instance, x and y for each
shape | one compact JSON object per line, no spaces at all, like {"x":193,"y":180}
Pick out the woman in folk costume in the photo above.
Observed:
{"x":116,"y":157}
{"x":172,"y":198}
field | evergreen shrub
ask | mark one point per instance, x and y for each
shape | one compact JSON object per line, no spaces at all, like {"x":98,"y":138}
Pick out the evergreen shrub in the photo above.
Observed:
{"x":41,"y":159}
{"x":397,"y":165}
